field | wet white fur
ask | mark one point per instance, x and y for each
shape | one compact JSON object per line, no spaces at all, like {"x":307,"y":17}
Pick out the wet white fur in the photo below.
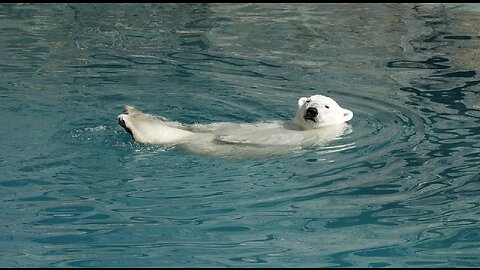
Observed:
{"x":244,"y":139}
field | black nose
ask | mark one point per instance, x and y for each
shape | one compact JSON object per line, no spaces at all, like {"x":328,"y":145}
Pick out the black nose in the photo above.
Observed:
{"x":311,"y":112}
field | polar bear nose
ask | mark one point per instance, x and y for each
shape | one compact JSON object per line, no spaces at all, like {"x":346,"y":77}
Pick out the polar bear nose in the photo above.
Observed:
{"x":311,"y":112}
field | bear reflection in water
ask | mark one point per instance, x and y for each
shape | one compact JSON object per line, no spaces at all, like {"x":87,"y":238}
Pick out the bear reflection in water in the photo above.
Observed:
{"x":319,"y":119}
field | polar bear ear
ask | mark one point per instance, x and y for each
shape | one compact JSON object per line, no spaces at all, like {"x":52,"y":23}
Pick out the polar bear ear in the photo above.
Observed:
{"x":347,"y":115}
{"x":301,"y":101}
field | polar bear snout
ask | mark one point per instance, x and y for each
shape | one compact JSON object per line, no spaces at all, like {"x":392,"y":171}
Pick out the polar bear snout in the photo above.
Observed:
{"x":310,"y":114}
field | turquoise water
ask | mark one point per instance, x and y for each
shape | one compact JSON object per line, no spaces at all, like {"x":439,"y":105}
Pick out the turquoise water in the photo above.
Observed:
{"x":401,"y":190}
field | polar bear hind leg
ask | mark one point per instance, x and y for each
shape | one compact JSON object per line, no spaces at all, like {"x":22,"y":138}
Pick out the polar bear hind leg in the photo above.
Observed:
{"x":146,"y":128}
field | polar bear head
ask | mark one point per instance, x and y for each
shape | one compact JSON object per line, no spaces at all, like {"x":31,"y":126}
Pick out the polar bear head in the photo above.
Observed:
{"x":319,"y":111}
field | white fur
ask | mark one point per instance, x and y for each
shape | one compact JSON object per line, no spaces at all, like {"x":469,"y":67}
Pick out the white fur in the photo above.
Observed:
{"x":329,"y":112}
{"x":232,"y":139}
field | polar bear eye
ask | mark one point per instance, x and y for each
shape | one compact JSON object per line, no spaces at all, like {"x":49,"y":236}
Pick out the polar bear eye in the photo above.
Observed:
{"x":308,"y":101}
{"x":326,"y":106}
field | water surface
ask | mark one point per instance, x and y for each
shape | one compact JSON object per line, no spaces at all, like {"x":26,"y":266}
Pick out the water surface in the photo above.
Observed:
{"x":400,"y":190}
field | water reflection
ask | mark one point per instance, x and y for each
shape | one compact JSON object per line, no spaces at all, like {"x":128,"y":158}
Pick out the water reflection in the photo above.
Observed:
{"x":401,"y":190}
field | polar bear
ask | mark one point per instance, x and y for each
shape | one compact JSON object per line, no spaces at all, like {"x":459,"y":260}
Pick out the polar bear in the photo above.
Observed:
{"x":319,"y":119}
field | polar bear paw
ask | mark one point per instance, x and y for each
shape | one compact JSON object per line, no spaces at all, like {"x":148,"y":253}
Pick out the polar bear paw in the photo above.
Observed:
{"x":122,"y":118}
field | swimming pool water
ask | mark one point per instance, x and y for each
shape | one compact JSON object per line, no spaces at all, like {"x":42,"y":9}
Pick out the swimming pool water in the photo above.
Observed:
{"x":401,"y":190}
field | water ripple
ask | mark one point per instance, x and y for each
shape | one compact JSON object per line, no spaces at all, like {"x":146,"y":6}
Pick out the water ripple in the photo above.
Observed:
{"x":400,"y":190}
